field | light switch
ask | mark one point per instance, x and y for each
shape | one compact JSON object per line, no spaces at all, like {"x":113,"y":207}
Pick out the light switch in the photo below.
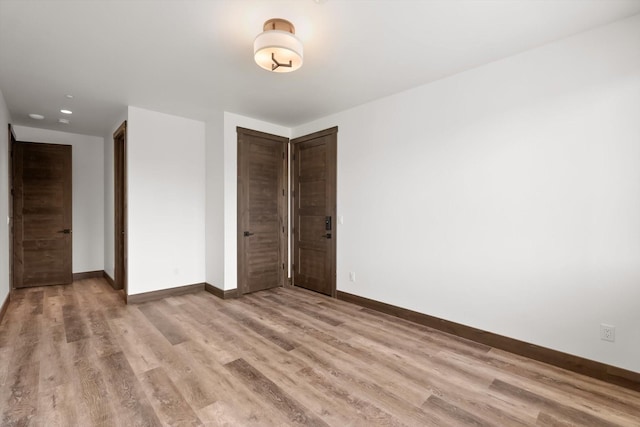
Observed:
{"x":341,"y":219}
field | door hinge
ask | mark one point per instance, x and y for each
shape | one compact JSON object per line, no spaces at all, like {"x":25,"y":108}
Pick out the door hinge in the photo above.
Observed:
{"x":283,"y":192}
{"x":283,"y":229}
{"x":283,"y":266}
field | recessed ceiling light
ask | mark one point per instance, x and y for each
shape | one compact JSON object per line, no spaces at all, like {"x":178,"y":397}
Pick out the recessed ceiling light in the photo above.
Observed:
{"x":63,"y":121}
{"x":69,"y":96}
{"x":66,"y":111}
{"x":36,"y":116}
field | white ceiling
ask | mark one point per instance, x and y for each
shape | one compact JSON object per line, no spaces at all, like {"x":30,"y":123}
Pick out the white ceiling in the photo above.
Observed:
{"x":194,"y":58}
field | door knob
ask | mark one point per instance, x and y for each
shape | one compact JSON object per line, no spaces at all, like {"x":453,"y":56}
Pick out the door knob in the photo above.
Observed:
{"x":248,"y":233}
{"x":65,"y":231}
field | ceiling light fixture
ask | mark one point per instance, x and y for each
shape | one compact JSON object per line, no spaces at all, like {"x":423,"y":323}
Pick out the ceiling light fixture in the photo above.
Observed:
{"x":36,"y":116}
{"x":63,"y":121}
{"x":277,"y":48}
{"x":66,"y":111}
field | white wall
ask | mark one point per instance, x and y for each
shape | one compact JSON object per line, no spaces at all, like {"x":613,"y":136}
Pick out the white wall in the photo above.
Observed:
{"x":231,"y":122}
{"x":109,"y":200}
{"x":5,"y":119}
{"x":506,"y":198}
{"x":87,"y":187}
{"x":214,"y":226}
{"x":166,"y":195}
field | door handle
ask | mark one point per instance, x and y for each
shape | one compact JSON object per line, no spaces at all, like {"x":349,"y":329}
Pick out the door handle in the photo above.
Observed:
{"x":65,"y":231}
{"x":248,"y":233}
{"x":327,"y":236}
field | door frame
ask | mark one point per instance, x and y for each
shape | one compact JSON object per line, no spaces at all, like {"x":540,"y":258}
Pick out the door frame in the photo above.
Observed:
{"x":283,"y":207}
{"x":120,"y":228}
{"x":332,"y":169}
{"x":11,"y":141}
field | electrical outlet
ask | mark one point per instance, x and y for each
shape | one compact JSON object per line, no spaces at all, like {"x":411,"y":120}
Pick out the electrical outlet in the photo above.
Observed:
{"x":607,"y":332}
{"x":352,"y":276}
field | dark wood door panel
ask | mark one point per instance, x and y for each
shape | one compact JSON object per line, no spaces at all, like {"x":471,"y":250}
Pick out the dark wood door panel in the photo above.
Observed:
{"x":42,"y":244}
{"x":262,"y":211}
{"x":314,"y":207}
{"x":312,"y":231}
{"x":42,"y":258}
{"x":313,"y":194}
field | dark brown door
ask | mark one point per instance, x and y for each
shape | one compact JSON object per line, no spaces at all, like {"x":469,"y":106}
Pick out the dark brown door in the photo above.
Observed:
{"x":262,"y":210}
{"x":42,"y":214}
{"x":314,"y":211}
{"x":120,"y":203}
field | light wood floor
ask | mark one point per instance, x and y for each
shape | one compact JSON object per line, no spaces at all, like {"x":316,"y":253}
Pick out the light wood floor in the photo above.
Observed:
{"x":77,"y":356}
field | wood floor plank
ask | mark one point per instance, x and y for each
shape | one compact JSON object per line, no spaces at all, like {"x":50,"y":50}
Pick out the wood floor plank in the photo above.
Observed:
{"x":308,"y":309}
{"x":172,"y":332}
{"x":455,"y":413}
{"x":169,"y":404}
{"x":91,"y":395}
{"x":55,"y":360}
{"x":552,"y":407}
{"x":288,"y":316}
{"x":74,"y":322}
{"x":375,"y":391}
{"x":5,"y":359}
{"x":52,"y":311}
{"x":52,"y":291}
{"x":417,"y":384}
{"x":19,"y":396}
{"x":590,"y":407}
{"x":261,"y":329}
{"x":590,"y":389}
{"x":229,"y":413}
{"x":274,"y":362}
{"x":296,"y":413}
{"x":36,"y":302}
{"x":369,"y":413}
{"x":101,"y":335}
{"x":253,"y":410}
{"x":57,"y":407}
{"x":490,"y":411}
{"x":193,"y":388}
{"x":207,"y":337}
{"x":141,"y":358}
{"x":76,"y":355}
{"x":125,"y":389}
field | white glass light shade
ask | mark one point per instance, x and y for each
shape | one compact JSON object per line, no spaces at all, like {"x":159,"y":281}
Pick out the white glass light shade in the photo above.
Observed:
{"x":274,"y":50}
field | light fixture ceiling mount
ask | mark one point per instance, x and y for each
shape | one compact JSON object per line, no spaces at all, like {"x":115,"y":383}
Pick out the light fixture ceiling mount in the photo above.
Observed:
{"x":277,"y":48}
